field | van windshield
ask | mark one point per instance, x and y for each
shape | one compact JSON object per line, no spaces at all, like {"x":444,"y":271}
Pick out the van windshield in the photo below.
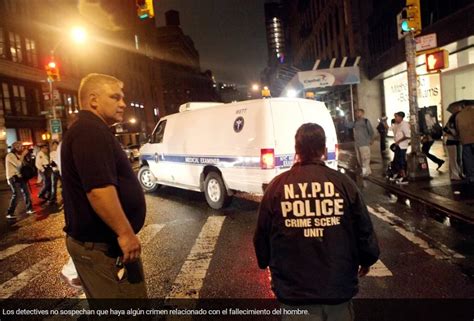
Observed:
{"x":157,"y":136}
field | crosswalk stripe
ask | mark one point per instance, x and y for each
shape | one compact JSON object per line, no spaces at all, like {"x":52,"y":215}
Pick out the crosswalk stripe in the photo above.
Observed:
{"x":149,"y":232}
{"x":379,"y":270}
{"x":189,"y":281}
{"x":18,"y":282}
{"x":442,"y":252}
{"x":13,"y":250}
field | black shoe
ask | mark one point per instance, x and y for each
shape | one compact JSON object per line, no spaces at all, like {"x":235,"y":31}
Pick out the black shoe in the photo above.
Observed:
{"x":440,"y":164}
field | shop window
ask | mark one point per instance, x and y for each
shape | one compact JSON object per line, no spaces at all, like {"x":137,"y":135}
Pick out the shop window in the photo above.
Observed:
{"x":6,"y":100}
{"x":15,"y":47}
{"x":31,"y":54}
{"x":25,"y":135}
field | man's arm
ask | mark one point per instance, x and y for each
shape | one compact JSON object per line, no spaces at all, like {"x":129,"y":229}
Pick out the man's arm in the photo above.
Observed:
{"x":106,"y":204}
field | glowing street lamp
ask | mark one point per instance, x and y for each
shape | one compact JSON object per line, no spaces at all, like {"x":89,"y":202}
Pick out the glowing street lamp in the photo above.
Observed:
{"x":78,"y":34}
{"x":132,"y":121}
{"x":255,"y":87}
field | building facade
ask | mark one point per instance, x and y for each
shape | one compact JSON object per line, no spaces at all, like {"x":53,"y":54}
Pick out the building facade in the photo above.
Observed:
{"x":451,"y":23}
{"x":118,"y":43}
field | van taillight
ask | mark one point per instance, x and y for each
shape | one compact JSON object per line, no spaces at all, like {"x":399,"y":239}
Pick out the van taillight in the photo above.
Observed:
{"x":267,"y":158}
{"x":337,"y":151}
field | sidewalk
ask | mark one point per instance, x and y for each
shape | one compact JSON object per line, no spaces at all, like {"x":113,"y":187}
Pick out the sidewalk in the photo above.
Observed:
{"x":454,"y":199}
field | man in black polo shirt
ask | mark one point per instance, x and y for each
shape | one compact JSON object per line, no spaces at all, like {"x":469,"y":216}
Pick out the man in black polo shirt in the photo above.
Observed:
{"x":104,"y":204}
{"x":315,"y":234}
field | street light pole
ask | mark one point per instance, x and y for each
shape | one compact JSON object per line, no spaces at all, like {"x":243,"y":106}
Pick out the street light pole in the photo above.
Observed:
{"x":416,"y":160}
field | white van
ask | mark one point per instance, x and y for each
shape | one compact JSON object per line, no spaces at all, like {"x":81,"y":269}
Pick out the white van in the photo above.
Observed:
{"x":221,"y":148}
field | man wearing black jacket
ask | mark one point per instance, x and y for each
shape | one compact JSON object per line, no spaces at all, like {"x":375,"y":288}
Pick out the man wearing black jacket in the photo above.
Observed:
{"x":315,"y":234}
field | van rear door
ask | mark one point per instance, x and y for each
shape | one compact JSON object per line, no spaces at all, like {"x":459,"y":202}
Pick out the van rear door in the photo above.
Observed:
{"x":287,"y":118}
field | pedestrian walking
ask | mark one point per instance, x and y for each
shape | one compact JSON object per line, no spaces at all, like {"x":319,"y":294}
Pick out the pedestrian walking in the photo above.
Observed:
{"x":14,"y":161}
{"x":104,"y":204}
{"x":426,"y":142}
{"x":401,"y":131}
{"x":382,"y":128}
{"x":453,"y":145}
{"x":363,"y":135}
{"x":44,"y":170}
{"x":315,"y":234}
{"x":464,"y":125}
{"x":432,"y":130}
{"x":55,"y":175}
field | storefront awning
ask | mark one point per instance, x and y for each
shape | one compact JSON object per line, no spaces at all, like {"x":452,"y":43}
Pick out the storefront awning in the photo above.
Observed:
{"x":335,"y":75}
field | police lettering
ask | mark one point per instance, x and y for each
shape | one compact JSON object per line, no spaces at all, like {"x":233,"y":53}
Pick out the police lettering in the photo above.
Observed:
{"x":312,"y":206}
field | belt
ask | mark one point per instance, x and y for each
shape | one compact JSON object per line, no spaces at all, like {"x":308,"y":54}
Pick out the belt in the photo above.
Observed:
{"x":92,"y":245}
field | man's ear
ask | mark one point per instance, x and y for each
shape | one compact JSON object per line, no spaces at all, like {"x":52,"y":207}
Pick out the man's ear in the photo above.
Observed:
{"x":93,"y":100}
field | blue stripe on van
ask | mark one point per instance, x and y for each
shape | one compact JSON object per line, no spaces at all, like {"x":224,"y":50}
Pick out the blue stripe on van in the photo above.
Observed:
{"x":281,"y":161}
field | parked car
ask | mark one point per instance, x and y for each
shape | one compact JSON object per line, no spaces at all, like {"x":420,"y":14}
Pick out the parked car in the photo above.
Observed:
{"x":132,"y":152}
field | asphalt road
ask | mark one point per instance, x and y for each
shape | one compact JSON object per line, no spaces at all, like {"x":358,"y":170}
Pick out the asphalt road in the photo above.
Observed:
{"x":192,"y":251}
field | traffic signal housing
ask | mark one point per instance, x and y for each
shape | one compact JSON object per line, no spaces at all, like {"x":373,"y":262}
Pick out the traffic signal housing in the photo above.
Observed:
{"x":437,"y":60}
{"x":409,"y":19}
{"x":145,"y":9}
{"x":52,"y":70}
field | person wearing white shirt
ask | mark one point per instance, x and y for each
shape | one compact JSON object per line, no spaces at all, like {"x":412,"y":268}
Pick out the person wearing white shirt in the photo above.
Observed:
{"x":43,"y":165}
{"x":55,"y":175}
{"x":402,"y":132}
{"x":13,"y":163}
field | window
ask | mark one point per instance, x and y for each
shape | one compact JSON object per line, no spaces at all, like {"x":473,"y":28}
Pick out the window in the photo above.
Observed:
{"x":36,"y":101}
{"x":31,"y":55}
{"x":2,"y":44}
{"x":15,"y":47}
{"x":19,"y":100}
{"x":5,"y":101}
{"x":24,"y":135}
{"x":157,"y":136}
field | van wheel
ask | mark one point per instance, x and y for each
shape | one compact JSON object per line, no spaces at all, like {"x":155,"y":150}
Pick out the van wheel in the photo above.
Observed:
{"x":147,"y":180}
{"x":215,"y":191}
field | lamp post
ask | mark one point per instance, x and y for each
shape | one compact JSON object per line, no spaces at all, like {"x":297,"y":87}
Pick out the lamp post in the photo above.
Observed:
{"x":78,"y":35}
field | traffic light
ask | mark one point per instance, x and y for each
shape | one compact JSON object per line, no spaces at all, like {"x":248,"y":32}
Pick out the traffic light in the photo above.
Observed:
{"x":437,"y":60}
{"x":52,"y":71}
{"x":145,"y":9}
{"x":410,"y":17}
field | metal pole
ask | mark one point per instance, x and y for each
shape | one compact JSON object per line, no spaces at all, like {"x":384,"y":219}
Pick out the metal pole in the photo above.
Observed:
{"x":352,"y":104}
{"x":410,"y":52}
{"x":416,"y":160}
{"x":53,"y":107}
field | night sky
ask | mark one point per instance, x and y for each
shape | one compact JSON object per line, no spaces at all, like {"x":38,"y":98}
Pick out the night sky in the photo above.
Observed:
{"x":229,"y":35}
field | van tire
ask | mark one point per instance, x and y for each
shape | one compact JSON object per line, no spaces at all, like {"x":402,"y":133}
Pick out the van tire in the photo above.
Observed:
{"x":215,"y":191}
{"x":145,"y":177}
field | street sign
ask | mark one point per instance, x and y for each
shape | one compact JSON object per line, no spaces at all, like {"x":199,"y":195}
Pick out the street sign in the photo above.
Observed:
{"x":55,"y":126}
{"x":426,"y":42}
{"x":56,"y":94}
{"x":59,"y":107}
{"x":46,"y":95}
{"x":45,"y":112}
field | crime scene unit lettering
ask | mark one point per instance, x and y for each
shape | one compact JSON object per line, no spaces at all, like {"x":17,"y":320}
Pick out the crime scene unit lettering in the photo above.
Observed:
{"x":312,"y":207}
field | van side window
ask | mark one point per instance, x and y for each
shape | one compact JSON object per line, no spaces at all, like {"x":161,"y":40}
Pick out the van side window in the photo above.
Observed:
{"x":159,"y":133}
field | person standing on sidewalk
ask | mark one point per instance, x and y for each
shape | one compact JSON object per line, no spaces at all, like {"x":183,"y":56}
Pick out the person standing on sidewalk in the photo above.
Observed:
{"x":453,"y":145}
{"x":104,"y":204}
{"x":13,"y":163}
{"x":402,"y":133}
{"x":382,"y":128}
{"x":44,"y":170}
{"x":465,"y":126}
{"x":315,"y":269}
{"x":55,"y":175}
{"x":363,"y":135}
